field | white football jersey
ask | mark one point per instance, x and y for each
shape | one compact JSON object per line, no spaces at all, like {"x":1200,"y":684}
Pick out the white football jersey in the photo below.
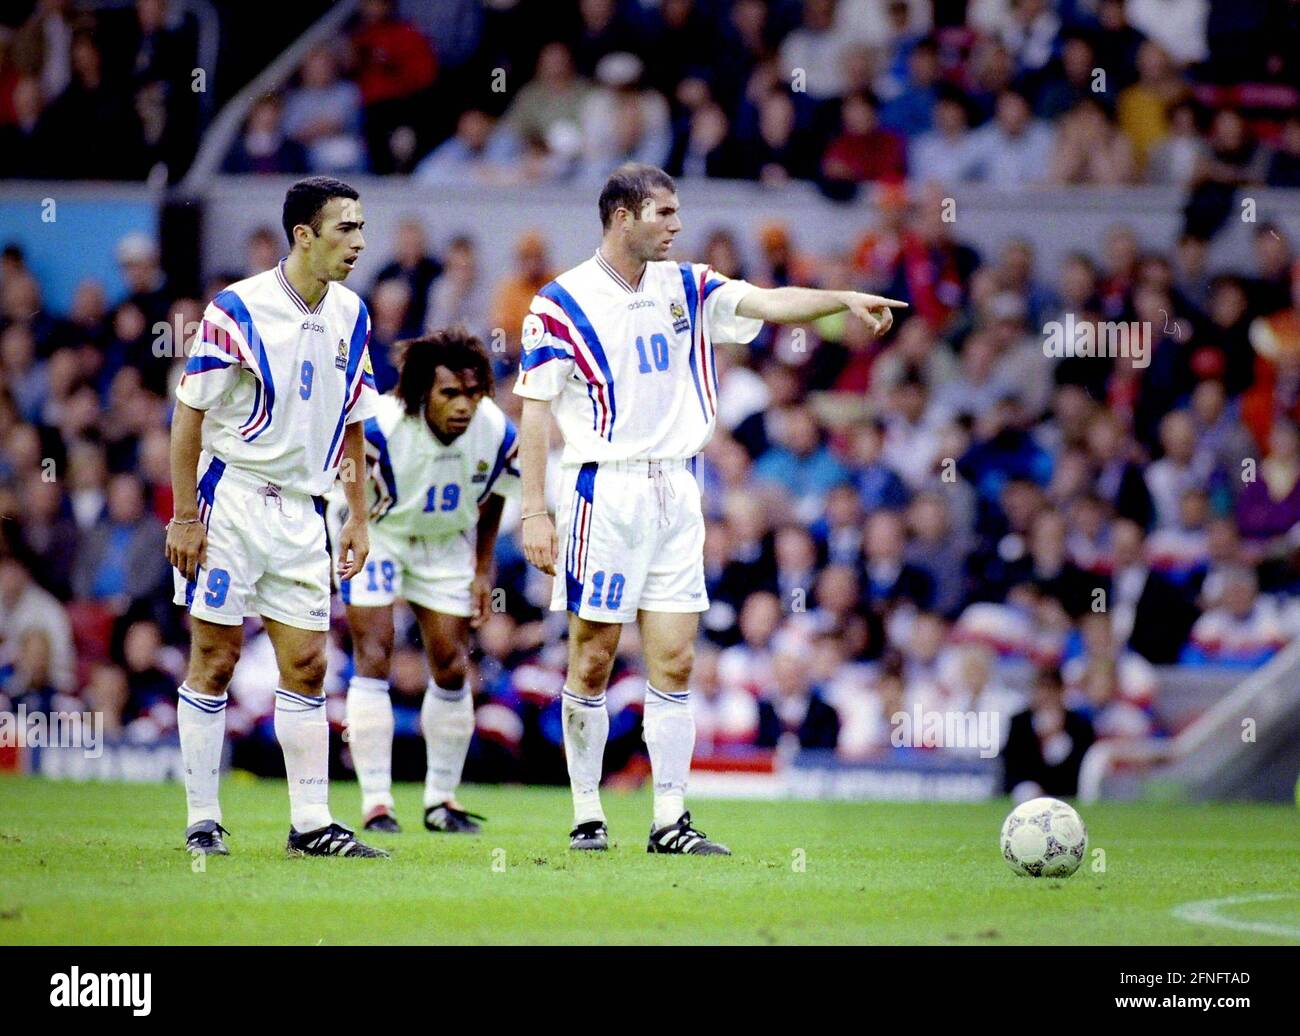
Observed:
{"x":420,"y":487}
{"x":279,"y":380}
{"x":629,"y":371}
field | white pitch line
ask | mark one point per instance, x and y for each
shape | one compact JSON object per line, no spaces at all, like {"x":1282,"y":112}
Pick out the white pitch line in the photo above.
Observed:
{"x":1206,"y":911}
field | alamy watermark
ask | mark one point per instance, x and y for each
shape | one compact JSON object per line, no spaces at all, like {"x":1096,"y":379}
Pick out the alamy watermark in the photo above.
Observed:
{"x":74,"y":988}
{"x":924,"y":728}
{"x":83,"y":730}
{"x":1109,"y":339}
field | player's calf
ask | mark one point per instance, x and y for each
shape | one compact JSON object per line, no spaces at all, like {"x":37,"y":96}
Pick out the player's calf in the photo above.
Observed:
{"x":446,"y":719}
{"x":370,"y":742}
{"x":201,"y":724}
{"x":447,"y":722}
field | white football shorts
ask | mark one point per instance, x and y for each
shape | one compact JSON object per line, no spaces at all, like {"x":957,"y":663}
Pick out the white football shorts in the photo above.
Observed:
{"x":631,"y":537}
{"x":266,"y":552}
{"x":435,"y":573}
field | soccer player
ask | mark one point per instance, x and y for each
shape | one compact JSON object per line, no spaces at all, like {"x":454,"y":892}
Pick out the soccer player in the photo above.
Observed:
{"x":270,"y":408}
{"x":620,"y":350}
{"x":442,"y":461}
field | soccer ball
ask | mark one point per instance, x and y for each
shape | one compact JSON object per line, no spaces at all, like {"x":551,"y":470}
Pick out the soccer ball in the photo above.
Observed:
{"x":1044,"y":838}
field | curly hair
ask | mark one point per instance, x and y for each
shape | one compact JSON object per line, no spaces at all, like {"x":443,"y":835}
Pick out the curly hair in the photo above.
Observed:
{"x":419,"y":359}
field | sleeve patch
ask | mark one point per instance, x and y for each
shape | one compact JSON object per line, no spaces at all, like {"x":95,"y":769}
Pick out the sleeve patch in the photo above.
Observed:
{"x":532,"y":331}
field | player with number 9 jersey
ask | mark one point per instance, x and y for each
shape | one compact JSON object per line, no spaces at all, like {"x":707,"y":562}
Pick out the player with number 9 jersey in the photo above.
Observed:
{"x":278,"y":382}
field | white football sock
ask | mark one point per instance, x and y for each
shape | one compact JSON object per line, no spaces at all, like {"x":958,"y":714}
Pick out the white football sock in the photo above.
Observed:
{"x":370,"y":738}
{"x":201,"y":719}
{"x":668,"y":726}
{"x":304,"y":736}
{"x":447,"y":720}
{"x":586,"y":729}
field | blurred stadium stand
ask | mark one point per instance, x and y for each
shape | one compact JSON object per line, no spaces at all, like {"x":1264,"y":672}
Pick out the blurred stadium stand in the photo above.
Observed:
{"x":954,"y":154}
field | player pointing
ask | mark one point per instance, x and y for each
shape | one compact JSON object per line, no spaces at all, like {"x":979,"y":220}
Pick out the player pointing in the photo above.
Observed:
{"x":442,"y":461}
{"x":271,"y":404}
{"x":620,"y":350}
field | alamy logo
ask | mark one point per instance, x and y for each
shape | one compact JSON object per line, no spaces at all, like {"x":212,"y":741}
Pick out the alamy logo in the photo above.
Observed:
{"x":84,"y":730}
{"x":94,"y":989}
{"x":923,"y":728}
{"x":1110,"y":339}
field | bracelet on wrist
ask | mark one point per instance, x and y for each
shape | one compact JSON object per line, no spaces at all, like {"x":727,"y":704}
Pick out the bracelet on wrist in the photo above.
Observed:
{"x":533,"y":514}
{"x":185,"y":521}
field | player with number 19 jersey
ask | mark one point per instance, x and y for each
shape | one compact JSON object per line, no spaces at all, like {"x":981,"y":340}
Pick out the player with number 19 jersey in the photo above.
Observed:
{"x":630,"y":375}
{"x":278,"y":381}
{"x":425,"y":497}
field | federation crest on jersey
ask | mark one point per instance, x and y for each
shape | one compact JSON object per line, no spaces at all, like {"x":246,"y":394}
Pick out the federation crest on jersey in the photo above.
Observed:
{"x":341,"y":357}
{"x":481,"y":474}
{"x":678,"y":311}
{"x":533,"y":331}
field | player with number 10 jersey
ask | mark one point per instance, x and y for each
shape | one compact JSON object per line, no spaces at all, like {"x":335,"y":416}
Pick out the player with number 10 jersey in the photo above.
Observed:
{"x":631,"y":375}
{"x":619,"y":351}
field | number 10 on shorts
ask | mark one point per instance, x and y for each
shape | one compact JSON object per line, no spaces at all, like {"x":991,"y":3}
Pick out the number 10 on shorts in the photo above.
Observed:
{"x":615,"y":595}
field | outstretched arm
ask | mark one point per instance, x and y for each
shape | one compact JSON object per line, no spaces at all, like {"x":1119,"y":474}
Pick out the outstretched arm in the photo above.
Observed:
{"x":794,"y":305}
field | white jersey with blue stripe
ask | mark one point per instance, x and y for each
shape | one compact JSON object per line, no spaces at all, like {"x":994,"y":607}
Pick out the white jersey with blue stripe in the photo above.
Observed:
{"x":280,"y":380}
{"x":420,"y":486}
{"x":630,"y":372}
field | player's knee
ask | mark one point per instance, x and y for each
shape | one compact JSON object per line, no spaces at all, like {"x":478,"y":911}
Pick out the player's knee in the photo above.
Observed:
{"x":676,"y":664}
{"x":211,"y":667}
{"x":448,"y":668}
{"x":594,"y":664}
{"x":308,"y":671}
{"x":373,"y":656}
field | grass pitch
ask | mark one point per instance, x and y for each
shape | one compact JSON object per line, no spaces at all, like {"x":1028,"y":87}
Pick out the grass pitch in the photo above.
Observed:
{"x":101,"y":864}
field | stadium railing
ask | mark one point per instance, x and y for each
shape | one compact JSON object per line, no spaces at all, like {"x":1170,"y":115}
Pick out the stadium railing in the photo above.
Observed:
{"x":229,"y":122}
{"x":1243,"y":743}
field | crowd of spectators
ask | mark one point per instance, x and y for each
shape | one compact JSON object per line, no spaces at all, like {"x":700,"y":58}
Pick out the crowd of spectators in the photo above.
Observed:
{"x":1010,"y":93}
{"x":1202,"y":95}
{"x":952,"y":519}
{"x":923,"y":521}
{"x":103,"y":94}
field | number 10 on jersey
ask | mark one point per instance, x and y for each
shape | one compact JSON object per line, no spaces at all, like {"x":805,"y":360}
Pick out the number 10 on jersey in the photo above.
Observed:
{"x":658,"y":349}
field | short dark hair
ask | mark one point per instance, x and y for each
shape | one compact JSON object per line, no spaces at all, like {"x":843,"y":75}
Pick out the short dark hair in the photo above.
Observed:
{"x":419,"y":359}
{"x":628,"y":186}
{"x":306,"y":198}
